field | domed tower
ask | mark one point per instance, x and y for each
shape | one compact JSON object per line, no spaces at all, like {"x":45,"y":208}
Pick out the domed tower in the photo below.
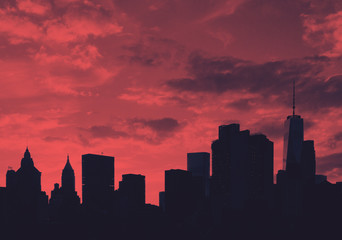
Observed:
{"x":27,"y":161}
{"x":68,"y":177}
{"x":28,"y":177}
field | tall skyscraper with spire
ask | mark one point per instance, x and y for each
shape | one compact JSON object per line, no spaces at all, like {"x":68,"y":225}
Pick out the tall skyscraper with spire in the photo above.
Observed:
{"x":68,"y":177}
{"x":64,"y":201}
{"x":299,"y":166}
{"x":293,"y":138}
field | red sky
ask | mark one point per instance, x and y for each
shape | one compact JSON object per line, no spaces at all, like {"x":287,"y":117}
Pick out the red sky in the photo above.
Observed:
{"x":147,"y":81}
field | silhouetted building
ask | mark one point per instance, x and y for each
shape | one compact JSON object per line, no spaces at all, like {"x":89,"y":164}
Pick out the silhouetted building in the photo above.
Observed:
{"x":132,"y":193}
{"x":327,"y":203}
{"x":198,"y":164}
{"x":293,"y":139}
{"x":292,"y":204}
{"x":10,"y":179}
{"x":3,"y":205}
{"x":299,"y":164}
{"x":68,"y":177}
{"x":162,"y":201}
{"x":260,"y":171}
{"x":27,"y":176}
{"x":26,"y":200}
{"x":178,"y":202}
{"x":97,"y":181}
{"x":308,"y":163}
{"x":320,"y":178}
{"x":242,"y":171}
{"x":64,"y":201}
{"x":229,"y":162}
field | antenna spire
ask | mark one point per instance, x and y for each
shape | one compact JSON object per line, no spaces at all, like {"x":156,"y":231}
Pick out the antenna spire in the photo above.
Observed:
{"x":294,"y":98}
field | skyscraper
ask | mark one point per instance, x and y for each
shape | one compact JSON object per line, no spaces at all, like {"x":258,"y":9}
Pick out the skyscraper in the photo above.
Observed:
{"x":293,"y":139}
{"x":260,"y":169}
{"x":68,"y":177}
{"x":308,"y":164}
{"x":229,"y":158}
{"x":198,"y":164}
{"x":64,"y":202}
{"x":24,"y":188}
{"x":28,"y":176}
{"x":178,"y":202}
{"x":299,"y":166}
{"x":97,"y":181}
{"x":242,"y":168}
{"x":132,"y":189}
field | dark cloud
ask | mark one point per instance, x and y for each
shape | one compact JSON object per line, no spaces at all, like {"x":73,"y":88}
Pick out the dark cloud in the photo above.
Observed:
{"x":241,"y":104}
{"x":7,"y":3}
{"x":173,"y":13}
{"x":308,"y":124}
{"x":271,"y":128}
{"x":162,"y":126}
{"x":83,"y":140}
{"x":106,"y":132}
{"x":338,"y":136}
{"x":333,"y":141}
{"x":329,"y":162}
{"x":153,"y":51}
{"x":223,"y":74}
{"x":160,"y":130}
{"x":54,"y":139}
{"x":219,"y":75}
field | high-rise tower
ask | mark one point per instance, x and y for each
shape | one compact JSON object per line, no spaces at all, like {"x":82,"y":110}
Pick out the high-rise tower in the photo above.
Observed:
{"x":28,"y":177}
{"x":68,"y":177}
{"x":293,"y":138}
{"x":97,"y":181}
{"x":26,"y":199}
{"x":298,"y":174}
{"x":64,"y":201}
{"x":242,"y":167}
{"x":198,"y":163}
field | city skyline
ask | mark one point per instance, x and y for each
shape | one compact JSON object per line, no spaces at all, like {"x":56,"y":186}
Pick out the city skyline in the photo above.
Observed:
{"x":239,"y":199}
{"x":194,"y":160}
{"x":149,"y":81}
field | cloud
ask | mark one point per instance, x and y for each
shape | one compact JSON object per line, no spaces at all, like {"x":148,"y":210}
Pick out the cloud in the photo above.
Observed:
{"x":271,"y":128}
{"x":54,"y":139}
{"x":334,"y":141}
{"x":33,"y":6}
{"x":19,"y":29}
{"x":223,"y":9}
{"x":269,"y":80}
{"x":150,"y":12}
{"x":338,"y":136}
{"x":241,"y":104}
{"x":322,"y":21}
{"x":155,"y":131}
{"x":76,"y":22}
{"x":153,"y":51}
{"x":163,"y":125}
{"x":79,"y":25}
{"x":329,"y":162}
{"x":102,"y":131}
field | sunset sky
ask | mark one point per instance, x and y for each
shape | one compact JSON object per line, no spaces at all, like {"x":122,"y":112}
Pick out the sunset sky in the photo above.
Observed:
{"x":148,"y":81}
